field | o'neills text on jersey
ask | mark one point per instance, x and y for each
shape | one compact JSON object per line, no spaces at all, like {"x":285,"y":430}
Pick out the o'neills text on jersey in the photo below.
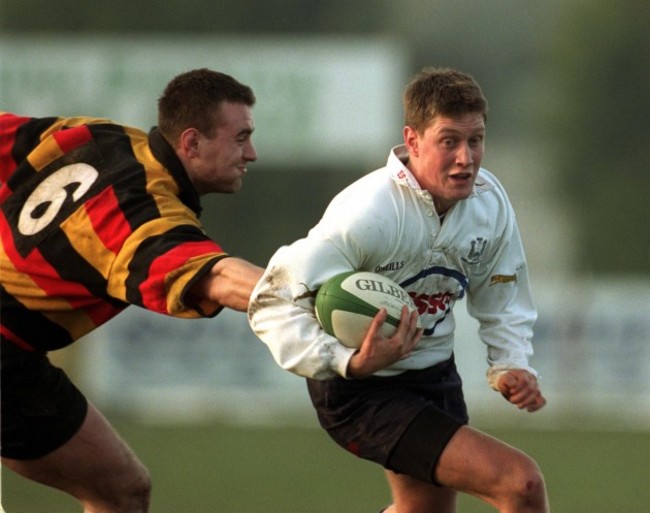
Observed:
{"x":392,"y":266}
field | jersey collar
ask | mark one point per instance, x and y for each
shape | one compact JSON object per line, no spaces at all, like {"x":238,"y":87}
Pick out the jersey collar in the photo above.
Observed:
{"x":165,"y":154}
{"x":397,"y":165}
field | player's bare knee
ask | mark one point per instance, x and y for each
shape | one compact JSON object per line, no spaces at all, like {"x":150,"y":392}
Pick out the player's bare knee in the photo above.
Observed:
{"x":138,"y":490}
{"x":131,"y":493}
{"x":529,"y":489}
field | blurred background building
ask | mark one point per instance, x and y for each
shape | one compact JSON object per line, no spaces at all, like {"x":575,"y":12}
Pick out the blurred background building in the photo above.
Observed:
{"x":568,"y":87}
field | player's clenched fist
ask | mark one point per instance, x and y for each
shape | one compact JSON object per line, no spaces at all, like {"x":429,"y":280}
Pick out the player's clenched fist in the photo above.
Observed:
{"x":521,"y":388}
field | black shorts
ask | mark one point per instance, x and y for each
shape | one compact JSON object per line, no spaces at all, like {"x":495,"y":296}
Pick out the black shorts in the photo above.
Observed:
{"x":41,"y":408}
{"x":402,"y":422}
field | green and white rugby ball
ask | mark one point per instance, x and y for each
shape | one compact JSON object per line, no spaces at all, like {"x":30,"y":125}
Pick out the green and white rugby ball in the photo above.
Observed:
{"x":347,"y":303}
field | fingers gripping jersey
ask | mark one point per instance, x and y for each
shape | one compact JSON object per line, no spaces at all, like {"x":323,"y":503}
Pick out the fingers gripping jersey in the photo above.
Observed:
{"x":94,"y":216}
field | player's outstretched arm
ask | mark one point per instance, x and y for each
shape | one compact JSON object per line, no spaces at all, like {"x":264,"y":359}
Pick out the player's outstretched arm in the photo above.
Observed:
{"x":521,"y":388}
{"x":377,"y":351}
{"x":229,"y":283}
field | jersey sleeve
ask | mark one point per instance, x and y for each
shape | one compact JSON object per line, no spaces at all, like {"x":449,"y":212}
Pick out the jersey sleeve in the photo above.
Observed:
{"x":281,"y":310}
{"x":158,"y":252}
{"x":158,"y":270}
{"x":502,"y":303}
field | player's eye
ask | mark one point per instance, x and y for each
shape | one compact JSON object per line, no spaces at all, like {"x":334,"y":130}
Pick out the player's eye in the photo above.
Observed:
{"x":243,"y":137}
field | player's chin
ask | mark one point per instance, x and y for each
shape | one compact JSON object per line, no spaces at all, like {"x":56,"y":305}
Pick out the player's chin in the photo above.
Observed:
{"x":460,"y":192}
{"x":464,"y":191}
{"x":233,"y":186}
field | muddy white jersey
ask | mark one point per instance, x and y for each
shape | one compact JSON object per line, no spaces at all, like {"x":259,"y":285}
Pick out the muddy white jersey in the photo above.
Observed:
{"x":385,"y":223}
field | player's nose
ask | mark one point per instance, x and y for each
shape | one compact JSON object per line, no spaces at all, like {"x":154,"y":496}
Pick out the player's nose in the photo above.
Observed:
{"x":464,"y":155}
{"x":250,"y":154}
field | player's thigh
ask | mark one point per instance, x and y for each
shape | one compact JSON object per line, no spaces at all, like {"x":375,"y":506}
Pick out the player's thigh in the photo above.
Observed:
{"x":94,"y":463}
{"x":477,"y":463}
{"x":413,"y":495}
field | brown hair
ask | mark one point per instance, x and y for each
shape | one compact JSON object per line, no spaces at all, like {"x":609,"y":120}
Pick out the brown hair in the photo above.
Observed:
{"x":192,"y":100}
{"x":444,"y":91}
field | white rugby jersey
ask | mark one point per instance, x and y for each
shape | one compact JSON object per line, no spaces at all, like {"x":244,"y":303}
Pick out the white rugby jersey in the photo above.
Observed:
{"x":385,"y":223}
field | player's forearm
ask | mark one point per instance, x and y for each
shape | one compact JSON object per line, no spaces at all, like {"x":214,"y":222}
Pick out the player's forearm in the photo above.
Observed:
{"x":229,"y":283}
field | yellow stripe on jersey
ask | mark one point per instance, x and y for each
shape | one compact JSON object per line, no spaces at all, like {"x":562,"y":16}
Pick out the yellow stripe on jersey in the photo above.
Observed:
{"x":179,"y":280}
{"x":90,"y":246}
{"x":162,"y":188}
{"x":49,"y":150}
{"x":22,"y":287}
{"x":46,"y":153}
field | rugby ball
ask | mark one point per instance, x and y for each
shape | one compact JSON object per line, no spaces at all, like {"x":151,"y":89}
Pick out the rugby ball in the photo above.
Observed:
{"x":347,"y":303}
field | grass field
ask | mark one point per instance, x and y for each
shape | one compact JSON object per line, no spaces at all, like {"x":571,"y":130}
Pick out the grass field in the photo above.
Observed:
{"x":234,"y":469}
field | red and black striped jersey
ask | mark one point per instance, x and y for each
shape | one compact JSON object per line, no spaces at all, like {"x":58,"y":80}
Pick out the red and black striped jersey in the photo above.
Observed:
{"x":94,"y":216}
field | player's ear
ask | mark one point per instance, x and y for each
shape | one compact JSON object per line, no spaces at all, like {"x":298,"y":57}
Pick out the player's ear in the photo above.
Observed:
{"x":189,"y":142}
{"x":411,"y":140}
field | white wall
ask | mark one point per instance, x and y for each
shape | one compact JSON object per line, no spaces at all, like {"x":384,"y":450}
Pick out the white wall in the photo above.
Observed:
{"x":317,"y":97}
